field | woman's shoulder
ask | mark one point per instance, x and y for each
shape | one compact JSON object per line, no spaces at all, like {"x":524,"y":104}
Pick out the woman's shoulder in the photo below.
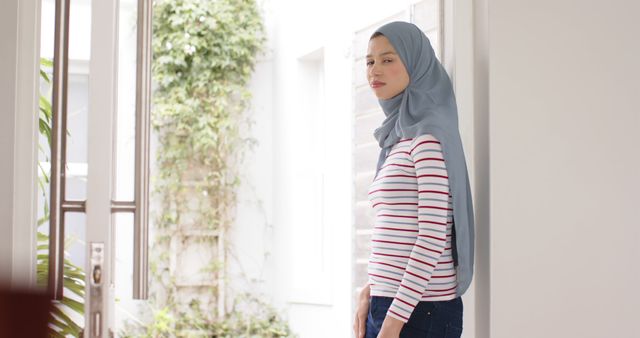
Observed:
{"x":424,"y":137}
{"x":419,"y":138}
{"x":424,"y":140}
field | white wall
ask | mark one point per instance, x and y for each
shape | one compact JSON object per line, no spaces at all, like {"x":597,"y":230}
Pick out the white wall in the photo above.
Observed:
{"x":251,"y":265}
{"x":271,"y":206}
{"x":565,"y":168}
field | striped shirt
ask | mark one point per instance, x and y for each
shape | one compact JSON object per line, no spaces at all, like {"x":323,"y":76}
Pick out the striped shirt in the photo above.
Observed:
{"x":411,"y":258}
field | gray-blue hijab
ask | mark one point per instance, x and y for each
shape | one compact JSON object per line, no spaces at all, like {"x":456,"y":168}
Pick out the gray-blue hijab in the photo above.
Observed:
{"x":428,"y":106}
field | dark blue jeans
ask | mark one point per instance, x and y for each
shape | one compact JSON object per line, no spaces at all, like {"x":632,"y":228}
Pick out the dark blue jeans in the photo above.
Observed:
{"x":437,"y":319}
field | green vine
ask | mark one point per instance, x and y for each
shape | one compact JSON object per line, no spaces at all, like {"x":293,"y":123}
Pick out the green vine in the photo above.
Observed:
{"x":204,"y":55}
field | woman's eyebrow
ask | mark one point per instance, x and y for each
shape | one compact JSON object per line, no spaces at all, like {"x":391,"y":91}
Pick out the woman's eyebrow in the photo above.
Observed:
{"x":381,"y":54}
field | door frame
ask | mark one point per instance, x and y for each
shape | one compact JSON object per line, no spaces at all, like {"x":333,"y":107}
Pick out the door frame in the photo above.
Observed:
{"x":25,"y":182}
{"x":102,"y":105}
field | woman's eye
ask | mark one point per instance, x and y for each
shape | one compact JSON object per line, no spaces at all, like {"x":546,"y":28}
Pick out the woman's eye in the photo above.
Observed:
{"x":371,"y":62}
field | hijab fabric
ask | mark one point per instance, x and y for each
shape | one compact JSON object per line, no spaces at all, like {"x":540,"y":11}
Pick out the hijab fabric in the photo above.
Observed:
{"x":428,"y":106}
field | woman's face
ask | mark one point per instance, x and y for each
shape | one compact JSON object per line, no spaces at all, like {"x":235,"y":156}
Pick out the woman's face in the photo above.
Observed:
{"x":386,"y":73}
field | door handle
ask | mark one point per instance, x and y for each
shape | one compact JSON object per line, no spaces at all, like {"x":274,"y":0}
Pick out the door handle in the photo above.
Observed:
{"x":97,"y":255}
{"x":57,"y":202}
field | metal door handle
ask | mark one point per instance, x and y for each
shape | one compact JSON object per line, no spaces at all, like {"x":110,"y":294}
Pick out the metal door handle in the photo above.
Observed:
{"x":58,"y":205}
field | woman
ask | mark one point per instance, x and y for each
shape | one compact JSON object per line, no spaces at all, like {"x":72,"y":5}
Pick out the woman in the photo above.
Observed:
{"x":421,"y":261}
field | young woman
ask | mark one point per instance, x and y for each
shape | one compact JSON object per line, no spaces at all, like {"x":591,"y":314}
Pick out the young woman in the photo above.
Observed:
{"x":422,"y":246}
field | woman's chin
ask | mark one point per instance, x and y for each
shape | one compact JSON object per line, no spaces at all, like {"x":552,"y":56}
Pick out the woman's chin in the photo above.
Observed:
{"x":380,"y":95}
{"x":387,"y":96}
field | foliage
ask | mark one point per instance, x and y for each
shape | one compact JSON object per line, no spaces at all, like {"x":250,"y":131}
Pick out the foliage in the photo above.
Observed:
{"x":61,"y":324}
{"x":204,"y":54}
{"x":249,"y":318}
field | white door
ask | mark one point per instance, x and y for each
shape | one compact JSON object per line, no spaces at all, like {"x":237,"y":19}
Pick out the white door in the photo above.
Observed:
{"x":112,"y":214}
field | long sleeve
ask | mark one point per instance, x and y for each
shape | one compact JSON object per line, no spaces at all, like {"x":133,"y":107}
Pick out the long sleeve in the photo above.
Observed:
{"x":433,"y":196}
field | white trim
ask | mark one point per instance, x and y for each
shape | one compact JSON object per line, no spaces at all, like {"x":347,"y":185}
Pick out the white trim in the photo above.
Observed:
{"x":25,"y":185}
{"x":461,"y":23}
{"x":467,"y":76}
{"x":100,"y":155}
{"x":449,"y":41}
{"x":463,"y":75}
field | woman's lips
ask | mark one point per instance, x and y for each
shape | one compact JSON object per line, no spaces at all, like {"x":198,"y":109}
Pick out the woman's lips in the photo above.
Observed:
{"x":376,"y":84}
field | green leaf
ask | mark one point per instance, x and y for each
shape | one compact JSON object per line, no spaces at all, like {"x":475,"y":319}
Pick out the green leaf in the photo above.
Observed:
{"x":73,"y":304}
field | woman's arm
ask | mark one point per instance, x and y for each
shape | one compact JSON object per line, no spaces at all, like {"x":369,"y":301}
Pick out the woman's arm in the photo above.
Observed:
{"x":360,"y":322}
{"x":391,"y":327}
{"x":365,"y":293}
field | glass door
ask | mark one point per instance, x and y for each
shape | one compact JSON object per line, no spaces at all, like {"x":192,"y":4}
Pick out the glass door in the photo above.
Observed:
{"x":93,"y":234}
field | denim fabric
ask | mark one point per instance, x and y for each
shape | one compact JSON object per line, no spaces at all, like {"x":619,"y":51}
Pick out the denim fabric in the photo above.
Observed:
{"x":437,"y":319}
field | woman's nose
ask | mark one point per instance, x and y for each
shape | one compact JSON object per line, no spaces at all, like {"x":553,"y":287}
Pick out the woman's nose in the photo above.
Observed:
{"x":374,"y":70}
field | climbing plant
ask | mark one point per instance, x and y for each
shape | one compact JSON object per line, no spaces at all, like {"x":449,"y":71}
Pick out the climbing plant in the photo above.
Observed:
{"x":204,"y":53}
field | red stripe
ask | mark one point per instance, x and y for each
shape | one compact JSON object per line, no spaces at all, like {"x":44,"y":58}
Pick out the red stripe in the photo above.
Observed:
{"x":436,"y":251}
{"x":389,"y":255}
{"x":432,"y":207}
{"x":417,"y":260}
{"x":377,"y":240}
{"x":403,"y":216}
{"x":432,"y":175}
{"x":411,"y":305}
{"x":398,"y":165}
{"x":443,"y":290}
{"x":447,"y":276}
{"x":399,"y":315}
{"x":393,"y":279}
{"x":432,"y":222}
{"x":391,"y":190}
{"x":438,"y":238}
{"x":448,"y":294}
{"x":413,"y":274}
{"x":391,"y":265}
{"x":387,"y":203}
{"x":410,"y":176}
{"x":429,"y":159}
{"x":423,"y":142}
{"x":414,"y":290}
{"x":410,"y":230}
{"x":432,"y":192}
{"x":399,"y":152}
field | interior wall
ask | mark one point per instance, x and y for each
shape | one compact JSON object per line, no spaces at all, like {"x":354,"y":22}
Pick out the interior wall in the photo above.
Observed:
{"x":565,"y":168}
